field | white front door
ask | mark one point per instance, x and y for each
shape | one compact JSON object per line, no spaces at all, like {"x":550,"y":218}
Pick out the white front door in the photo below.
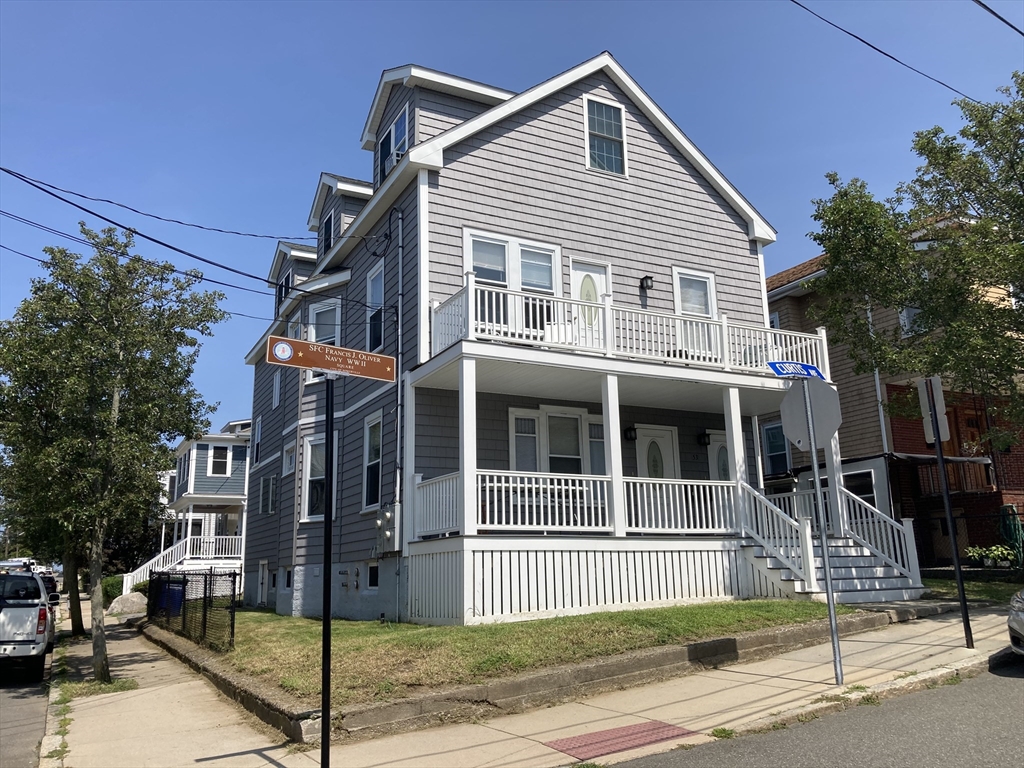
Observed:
{"x":718,"y":456}
{"x":657,"y":452}
{"x":589,"y":283}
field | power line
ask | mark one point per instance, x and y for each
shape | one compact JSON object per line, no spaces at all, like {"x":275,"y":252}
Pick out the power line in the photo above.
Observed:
{"x":174,"y":248}
{"x":1016,"y":29}
{"x":887,"y":55}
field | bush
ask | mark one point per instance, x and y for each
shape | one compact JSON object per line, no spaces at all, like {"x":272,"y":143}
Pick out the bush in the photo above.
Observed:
{"x":112,"y":587}
{"x":142,"y":588}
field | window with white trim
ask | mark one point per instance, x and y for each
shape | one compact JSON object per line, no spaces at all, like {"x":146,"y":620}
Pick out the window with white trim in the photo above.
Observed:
{"x":288,"y":460}
{"x":284,"y":287}
{"x":184,"y":462}
{"x":776,"y":449}
{"x":908,"y":321}
{"x":295,"y":326}
{"x":268,"y":495}
{"x":393,"y":145}
{"x":694,"y":292}
{"x":324,"y":327}
{"x":375,"y":309}
{"x":773,"y":320}
{"x":513,"y":262}
{"x":327,"y":232}
{"x":606,"y":141}
{"x":276,"y":401}
{"x":257,"y":437}
{"x":566,"y":441}
{"x":314,"y":496}
{"x":372,"y":432}
{"x":219,"y":461}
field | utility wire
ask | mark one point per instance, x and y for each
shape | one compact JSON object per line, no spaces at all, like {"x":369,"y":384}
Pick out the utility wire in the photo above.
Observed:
{"x":887,"y":55}
{"x":159,"y":242}
{"x":1016,"y":29}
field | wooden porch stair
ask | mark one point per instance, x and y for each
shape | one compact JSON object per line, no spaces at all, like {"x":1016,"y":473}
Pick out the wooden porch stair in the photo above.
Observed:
{"x":858,"y":576}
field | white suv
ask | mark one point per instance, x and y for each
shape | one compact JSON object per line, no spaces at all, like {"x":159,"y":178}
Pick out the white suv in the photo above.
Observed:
{"x":26,"y":621}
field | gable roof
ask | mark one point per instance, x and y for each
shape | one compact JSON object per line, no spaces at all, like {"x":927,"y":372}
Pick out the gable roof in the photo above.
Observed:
{"x":788,"y":280}
{"x":286,"y":250}
{"x":411,"y":75}
{"x":329,"y":183}
{"x":430,"y":154}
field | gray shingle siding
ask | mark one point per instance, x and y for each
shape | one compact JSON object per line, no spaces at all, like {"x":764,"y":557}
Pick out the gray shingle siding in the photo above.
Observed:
{"x":437,"y":112}
{"x":526,"y":176}
{"x":233,"y":485}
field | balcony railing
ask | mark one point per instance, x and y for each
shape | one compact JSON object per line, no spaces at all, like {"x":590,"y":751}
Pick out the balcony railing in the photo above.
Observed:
{"x":497,"y":314}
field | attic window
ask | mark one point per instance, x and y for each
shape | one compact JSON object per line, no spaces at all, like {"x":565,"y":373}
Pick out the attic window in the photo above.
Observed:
{"x":606,"y":144}
{"x":284,"y":287}
{"x":327,"y":232}
{"x":393,"y":144}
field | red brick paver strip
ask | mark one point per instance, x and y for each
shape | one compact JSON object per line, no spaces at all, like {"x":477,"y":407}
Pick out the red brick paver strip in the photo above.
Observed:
{"x":617,"y":739}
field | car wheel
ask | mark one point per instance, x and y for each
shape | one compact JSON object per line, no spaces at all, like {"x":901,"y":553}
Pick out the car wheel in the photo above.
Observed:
{"x":37,"y":667}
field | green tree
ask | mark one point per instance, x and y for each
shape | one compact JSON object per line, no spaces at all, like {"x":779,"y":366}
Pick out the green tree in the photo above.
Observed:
{"x":949,"y":243}
{"x":95,"y":380}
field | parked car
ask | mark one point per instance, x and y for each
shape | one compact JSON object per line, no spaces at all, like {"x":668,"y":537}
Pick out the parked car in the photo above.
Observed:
{"x":1015,"y":623}
{"x":26,"y":619}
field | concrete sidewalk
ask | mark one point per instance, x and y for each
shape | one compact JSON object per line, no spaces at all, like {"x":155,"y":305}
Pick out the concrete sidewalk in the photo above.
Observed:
{"x":176,"y":718}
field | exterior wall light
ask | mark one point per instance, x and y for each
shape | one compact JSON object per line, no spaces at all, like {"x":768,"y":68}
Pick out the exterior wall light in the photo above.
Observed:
{"x":647,"y":282}
{"x":630,"y":434}
{"x":703,"y":439}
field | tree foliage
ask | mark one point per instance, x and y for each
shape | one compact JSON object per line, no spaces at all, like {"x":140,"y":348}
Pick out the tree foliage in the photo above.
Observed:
{"x":95,"y":380}
{"x":949,"y":243}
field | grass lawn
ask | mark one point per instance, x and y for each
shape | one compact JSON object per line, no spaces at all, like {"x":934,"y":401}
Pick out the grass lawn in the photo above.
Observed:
{"x":977,"y":591}
{"x":376,"y":662}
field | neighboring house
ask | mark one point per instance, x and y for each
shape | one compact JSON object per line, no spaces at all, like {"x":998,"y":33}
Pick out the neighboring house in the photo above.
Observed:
{"x":205,"y":522}
{"x":575,"y":298}
{"x":885,"y":458}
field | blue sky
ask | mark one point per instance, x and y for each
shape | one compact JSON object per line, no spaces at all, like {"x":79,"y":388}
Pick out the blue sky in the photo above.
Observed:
{"x":224,"y":114}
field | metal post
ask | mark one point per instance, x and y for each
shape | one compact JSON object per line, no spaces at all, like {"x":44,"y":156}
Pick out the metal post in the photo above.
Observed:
{"x":837,"y":660}
{"x":325,"y":641}
{"x":968,"y":636}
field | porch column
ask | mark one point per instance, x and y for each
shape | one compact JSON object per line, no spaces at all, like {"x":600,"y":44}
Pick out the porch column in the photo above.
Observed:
{"x":833,"y":472}
{"x":737,"y":454}
{"x":467,"y":441}
{"x":241,"y":543}
{"x":406,"y":522}
{"x":613,"y":453}
{"x":188,"y":531}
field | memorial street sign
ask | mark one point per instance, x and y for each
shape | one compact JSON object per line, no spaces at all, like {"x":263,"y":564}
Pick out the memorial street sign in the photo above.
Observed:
{"x":330,"y":359}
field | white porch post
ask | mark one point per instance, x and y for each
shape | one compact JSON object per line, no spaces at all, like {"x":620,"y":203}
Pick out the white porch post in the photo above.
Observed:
{"x":467,"y":439}
{"x":835,"y":482}
{"x":407,"y":521}
{"x":188,"y":531}
{"x":826,"y":369}
{"x":241,"y":550}
{"x":737,"y":454}
{"x":613,"y":452}
{"x":470,"y":305}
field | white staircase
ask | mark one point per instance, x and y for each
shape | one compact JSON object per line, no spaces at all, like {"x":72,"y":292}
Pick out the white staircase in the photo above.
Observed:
{"x":194,"y":553}
{"x":858,"y":576}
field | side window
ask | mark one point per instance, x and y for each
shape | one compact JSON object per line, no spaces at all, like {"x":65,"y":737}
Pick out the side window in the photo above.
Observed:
{"x":606,"y":145}
{"x":371,"y":461}
{"x":694,"y":292}
{"x":288,"y":460}
{"x":489,"y":260}
{"x":277,"y":389}
{"x":316,"y":479}
{"x":773,"y":320}
{"x":525,"y":443}
{"x":220,"y":464}
{"x":327,"y":233}
{"x":393,"y":144}
{"x":776,"y":449}
{"x":257,"y":436}
{"x":375,"y":310}
{"x":284,"y":287}
{"x":268,"y":495}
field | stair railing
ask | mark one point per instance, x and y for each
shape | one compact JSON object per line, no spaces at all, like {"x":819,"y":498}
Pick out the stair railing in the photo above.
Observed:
{"x":166,"y":559}
{"x":887,"y":539}
{"x":781,"y":536}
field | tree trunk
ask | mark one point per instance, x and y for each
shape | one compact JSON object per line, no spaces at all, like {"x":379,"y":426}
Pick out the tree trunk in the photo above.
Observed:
{"x":71,"y":585}
{"x":100,"y":664}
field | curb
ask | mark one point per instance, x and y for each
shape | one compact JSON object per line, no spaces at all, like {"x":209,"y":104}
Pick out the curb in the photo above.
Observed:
{"x":51,"y":741}
{"x":547,"y":687}
{"x":966,"y":668}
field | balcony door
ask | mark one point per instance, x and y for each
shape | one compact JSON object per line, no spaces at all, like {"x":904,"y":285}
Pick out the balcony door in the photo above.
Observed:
{"x":589,"y":283}
{"x":718,"y":456}
{"x":657,"y":452}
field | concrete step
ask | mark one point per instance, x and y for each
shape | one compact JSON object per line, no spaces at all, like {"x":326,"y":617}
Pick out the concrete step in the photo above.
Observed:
{"x":859,"y":584}
{"x":862,"y":572}
{"x":879,"y":595}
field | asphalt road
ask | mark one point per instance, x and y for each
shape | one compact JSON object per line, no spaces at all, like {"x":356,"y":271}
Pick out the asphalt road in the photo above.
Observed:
{"x":22,"y":716}
{"x":978,"y":723}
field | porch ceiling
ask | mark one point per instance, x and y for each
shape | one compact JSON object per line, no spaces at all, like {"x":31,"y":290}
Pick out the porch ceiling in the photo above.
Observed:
{"x":508,"y":377}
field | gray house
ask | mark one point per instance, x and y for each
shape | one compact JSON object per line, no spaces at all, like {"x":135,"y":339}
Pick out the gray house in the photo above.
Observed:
{"x":575,"y":298}
{"x":204,"y":519}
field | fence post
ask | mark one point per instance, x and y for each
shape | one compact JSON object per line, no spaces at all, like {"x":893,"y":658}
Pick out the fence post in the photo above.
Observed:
{"x":235,"y":577}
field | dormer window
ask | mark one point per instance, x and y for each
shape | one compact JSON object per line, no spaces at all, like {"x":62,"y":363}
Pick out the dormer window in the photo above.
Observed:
{"x":327,"y":232}
{"x":393,"y":144}
{"x":284,"y":287}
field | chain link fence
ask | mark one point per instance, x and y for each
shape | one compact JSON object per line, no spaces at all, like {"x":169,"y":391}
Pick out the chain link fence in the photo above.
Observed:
{"x":199,"y":605}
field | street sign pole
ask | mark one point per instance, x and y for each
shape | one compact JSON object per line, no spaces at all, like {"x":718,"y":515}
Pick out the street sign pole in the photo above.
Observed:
{"x":937,"y":435}
{"x":837,"y":659}
{"x":325,"y":642}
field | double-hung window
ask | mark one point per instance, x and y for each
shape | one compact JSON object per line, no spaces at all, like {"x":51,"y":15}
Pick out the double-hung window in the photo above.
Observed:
{"x":776,"y":449}
{"x":372,"y":461}
{"x":314,"y":496}
{"x":375,"y":309}
{"x":324,"y":326}
{"x":512,"y":262}
{"x":565,"y":441}
{"x":288,"y":460}
{"x":327,"y":233}
{"x":268,"y":495}
{"x":284,"y":287}
{"x":219,"y":461}
{"x":257,"y":437}
{"x":393,"y":144}
{"x":606,"y":142}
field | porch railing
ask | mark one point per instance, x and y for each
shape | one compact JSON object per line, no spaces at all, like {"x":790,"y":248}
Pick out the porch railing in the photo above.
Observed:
{"x":497,"y":314}
{"x":776,"y":531}
{"x":525,"y":501}
{"x":680,"y":506}
{"x":885,"y":537}
{"x":438,"y":509}
{"x":215,"y":547}
{"x":166,"y":559}
{"x":799,"y":504}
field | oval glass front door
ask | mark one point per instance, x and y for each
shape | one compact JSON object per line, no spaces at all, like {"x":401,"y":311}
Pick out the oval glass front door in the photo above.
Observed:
{"x":723,"y":463}
{"x":588,"y":292}
{"x":655,"y":461}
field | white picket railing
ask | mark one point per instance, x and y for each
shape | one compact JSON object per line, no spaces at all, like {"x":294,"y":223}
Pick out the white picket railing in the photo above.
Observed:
{"x":438,"y":509}
{"x":498,"y":314}
{"x":885,"y":537}
{"x":680,"y":506}
{"x":166,"y":559}
{"x":215,"y":547}
{"x":774,"y":530}
{"x":532,"y":501}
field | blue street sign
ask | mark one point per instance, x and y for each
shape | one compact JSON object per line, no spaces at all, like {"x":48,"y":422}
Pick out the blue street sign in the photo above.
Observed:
{"x":790,"y":368}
